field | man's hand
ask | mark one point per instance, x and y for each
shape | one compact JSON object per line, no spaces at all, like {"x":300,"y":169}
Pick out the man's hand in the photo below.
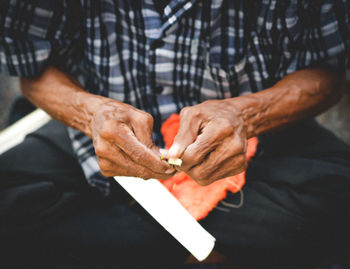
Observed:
{"x":123,"y":142}
{"x":213,"y":135}
{"x":211,"y":141}
{"x":122,"y":134}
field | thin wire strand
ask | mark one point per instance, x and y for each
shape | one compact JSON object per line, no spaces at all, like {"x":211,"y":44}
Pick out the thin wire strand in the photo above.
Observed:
{"x":233,"y":205}
{"x":222,"y":209}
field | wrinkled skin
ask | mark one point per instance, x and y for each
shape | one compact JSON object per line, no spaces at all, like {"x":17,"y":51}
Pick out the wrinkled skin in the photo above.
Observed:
{"x":212,"y":137}
{"x":122,"y":134}
{"x":122,"y":137}
{"x":211,"y":141}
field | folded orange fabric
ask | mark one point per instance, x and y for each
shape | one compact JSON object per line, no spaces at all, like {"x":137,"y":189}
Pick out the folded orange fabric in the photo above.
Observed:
{"x":200,"y":200}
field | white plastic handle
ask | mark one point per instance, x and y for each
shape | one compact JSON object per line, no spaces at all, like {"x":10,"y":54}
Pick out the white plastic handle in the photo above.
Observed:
{"x":168,"y":211}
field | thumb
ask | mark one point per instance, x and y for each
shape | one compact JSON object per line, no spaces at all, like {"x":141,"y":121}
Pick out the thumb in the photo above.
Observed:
{"x":186,"y":135}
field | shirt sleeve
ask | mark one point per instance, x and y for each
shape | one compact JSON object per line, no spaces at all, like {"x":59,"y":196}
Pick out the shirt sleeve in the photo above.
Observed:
{"x":321,"y":35}
{"x":35,"y":34}
{"x":299,"y":34}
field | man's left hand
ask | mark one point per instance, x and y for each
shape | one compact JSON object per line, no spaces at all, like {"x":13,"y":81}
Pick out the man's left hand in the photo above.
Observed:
{"x":211,"y":141}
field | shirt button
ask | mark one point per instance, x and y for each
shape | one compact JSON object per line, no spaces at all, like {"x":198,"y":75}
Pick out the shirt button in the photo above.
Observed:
{"x":157,"y":44}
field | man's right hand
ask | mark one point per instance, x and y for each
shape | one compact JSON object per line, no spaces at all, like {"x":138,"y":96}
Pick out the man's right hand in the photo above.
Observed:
{"x":122,"y":134}
{"x":122,"y":137}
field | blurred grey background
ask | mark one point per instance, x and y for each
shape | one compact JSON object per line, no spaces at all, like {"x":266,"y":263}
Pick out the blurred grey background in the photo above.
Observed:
{"x":9,"y":90}
{"x":336,"y":119}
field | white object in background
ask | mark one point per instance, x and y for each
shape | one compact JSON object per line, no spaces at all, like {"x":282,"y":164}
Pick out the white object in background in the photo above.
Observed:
{"x":16,"y":133}
{"x":167,"y":210}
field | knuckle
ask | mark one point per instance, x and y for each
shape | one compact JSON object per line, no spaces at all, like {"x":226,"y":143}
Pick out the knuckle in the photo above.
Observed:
{"x":185,"y":112}
{"x":143,"y":118}
{"x":142,"y":173}
{"x":244,"y":166}
{"x":192,"y":112}
{"x":226,"y":128}
{"x":241,"y":159}
{"x":241,"y":163}
{"x":204,"y":171}
{"x":104,"y":164}
{"x":238,"y":148}
{"x":160,"y":166}
{"x":136,"y":156}
{"x":195,"y":159}
{"x":189,"y":159}
{"x":105,"y":168}
{"x":198,"y":175}
{"x":107,"y":130}
{"x":100,"y":148}
{"x":148,"y":119}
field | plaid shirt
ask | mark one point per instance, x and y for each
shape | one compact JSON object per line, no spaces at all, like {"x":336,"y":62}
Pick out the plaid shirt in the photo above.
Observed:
{"x":160,"y":63}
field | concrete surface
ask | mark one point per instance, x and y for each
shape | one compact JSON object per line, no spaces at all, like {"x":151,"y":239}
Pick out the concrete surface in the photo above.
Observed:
{"x":9,"y":89}
{"x":337,"y":118}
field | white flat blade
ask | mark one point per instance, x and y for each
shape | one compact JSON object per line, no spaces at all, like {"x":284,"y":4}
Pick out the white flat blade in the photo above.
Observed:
{"x":165,"y":209}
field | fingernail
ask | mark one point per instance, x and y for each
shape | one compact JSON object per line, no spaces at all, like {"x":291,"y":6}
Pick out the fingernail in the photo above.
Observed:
{"x":163,"y":153}
{"x":170,"y":171}
{"x":173,"y":151}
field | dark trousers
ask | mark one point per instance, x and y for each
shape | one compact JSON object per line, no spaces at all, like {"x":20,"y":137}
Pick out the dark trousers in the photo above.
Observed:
{"x":296,"y":209}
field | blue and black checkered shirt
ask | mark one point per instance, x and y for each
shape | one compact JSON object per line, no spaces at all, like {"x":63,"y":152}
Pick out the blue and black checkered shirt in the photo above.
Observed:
{"x":161,"y":62}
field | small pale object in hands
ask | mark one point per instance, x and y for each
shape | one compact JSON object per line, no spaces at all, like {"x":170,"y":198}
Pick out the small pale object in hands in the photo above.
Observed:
{"x":173,"y":161}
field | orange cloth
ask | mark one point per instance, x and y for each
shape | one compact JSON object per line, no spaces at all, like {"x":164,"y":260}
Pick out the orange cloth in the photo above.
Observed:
{"x":200,"y":200}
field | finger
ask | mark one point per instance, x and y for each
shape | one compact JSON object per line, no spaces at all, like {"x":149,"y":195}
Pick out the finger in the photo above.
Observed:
{"x":227,"y":152}
{"x":139,"y":173}
{"x":142,"y":155}
{"x":205,"y":143}
{"x":112,"y":158}
{"x":144,"y":131}
{"x":127,"y":168}
{"x":187,"y":134}
{"x":230,"y":167}
{"x":144,"y":134}
{"x":227,"y":149}
{"x":126,"y":140}
{"x":109,"y":169}
{"x":128,"y":173}
{"x":163,"y":152}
